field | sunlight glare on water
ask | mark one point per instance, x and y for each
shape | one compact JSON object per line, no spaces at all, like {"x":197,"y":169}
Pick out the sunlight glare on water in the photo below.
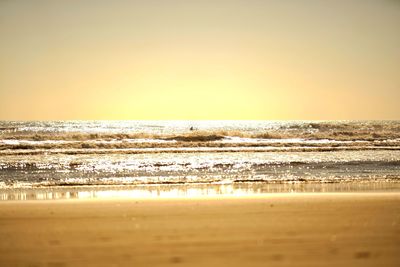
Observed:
{"x":95,"y":153}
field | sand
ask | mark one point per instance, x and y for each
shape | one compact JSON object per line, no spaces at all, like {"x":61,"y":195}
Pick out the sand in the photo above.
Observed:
{"x":320,"y":229}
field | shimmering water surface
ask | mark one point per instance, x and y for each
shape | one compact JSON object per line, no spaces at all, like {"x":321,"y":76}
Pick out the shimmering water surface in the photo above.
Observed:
{"x":132,"y":153}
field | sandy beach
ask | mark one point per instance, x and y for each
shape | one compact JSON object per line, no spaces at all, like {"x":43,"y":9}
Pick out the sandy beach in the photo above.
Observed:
{"x":306,"y":229}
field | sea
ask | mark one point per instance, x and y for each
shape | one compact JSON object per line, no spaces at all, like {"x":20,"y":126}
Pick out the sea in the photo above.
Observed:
{"x":90,"y":159}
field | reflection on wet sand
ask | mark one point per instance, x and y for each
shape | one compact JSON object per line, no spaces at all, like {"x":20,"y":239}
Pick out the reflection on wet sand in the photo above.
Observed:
{"x":190,"y":190}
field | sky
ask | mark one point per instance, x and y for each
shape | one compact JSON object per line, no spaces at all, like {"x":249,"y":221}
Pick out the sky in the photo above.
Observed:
{"x":208,"y":60}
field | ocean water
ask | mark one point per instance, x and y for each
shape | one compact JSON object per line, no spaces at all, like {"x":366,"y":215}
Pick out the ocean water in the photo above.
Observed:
{"x":49,"y":154}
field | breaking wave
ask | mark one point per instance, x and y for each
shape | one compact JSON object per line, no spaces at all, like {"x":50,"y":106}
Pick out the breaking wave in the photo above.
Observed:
{"x":307,"y":133}
{"x":56,"y":137}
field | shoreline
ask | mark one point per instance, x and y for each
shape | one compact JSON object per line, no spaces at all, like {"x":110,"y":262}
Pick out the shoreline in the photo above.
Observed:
{"x":304,"y":229}
{"x":191,"y":190}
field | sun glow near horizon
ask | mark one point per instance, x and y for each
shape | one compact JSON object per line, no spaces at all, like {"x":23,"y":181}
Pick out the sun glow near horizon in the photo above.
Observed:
{"x":199,"y":60}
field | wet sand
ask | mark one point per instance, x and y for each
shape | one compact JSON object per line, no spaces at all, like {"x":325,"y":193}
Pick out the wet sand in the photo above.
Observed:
{"x":304,"y":229}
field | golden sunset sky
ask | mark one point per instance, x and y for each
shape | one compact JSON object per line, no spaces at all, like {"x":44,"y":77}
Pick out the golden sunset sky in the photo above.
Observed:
{"x":209,"y":59}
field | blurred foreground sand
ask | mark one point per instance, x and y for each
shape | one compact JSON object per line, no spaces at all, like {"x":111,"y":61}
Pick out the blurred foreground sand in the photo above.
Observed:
{"x":324,"y":229}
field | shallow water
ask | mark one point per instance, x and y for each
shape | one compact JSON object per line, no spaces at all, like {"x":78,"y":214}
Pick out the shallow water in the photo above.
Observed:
{"x":104,"y":153}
